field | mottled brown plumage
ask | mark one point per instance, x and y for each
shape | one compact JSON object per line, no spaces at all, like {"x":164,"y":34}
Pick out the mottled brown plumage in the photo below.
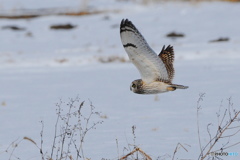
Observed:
{"x":167,"y":56}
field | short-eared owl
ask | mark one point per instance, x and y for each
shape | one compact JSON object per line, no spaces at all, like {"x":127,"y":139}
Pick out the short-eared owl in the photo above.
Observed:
{"x":157,"y":71}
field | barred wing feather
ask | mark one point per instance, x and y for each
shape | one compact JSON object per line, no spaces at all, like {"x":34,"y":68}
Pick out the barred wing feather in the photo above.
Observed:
{"x":150,"y":66}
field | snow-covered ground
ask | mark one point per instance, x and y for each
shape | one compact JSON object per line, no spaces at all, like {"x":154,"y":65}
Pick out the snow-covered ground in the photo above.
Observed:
{"x":39,"y":66}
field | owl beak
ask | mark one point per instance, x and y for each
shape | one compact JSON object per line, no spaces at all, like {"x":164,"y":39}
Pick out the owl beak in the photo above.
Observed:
{"x":130,"y":88}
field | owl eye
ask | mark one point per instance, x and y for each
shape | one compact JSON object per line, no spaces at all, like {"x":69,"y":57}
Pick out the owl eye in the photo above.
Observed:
{"x":133,"y":85}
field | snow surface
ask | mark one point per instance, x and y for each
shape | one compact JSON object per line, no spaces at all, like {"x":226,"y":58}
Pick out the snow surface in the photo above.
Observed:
{"x":37,"y":71}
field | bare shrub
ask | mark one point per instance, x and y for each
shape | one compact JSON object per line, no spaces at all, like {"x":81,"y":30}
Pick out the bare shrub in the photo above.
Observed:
{"x":228,"y":120}
{"x":228,"y":126}
{"x":71,"y":129}
{"x":74,"y":120}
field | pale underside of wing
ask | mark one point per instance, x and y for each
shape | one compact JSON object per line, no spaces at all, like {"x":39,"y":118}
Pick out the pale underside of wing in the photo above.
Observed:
{"x":150,"y":66}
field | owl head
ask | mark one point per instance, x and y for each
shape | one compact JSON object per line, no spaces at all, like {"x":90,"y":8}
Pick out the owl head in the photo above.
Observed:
{"x":136,"y":86}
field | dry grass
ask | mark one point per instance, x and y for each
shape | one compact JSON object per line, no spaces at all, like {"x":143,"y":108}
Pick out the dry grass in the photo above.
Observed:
{"x":74,"y":121}
{"x":149,"y":1}
{"x":137,"y":151}
{"x":225,"y":39}
{"x":65,"y":140}
{"x":3,"y":103}
{"x":62,"y":26}
{"x":21,"y":14}
{"x":28,"y":14}
{"x":110,"y":59}
{"x":63,"y":60}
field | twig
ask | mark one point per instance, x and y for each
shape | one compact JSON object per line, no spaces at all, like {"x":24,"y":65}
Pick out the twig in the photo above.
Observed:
{"x":201,"y":95}
{"x":208,"y":130}
{"x":86,"y":128}
{"x":231,"y":134}
{"x":134,"y":135}
{"x":228,"y":146}
{"x":117,"y":148}
{"x":220,"y":135}
{"x":56,"y":127}
{"x":66,"y":127}
{"x":71,"y":128}
{"x":15,"y":145}
{"x":176,"y":149}
{"x":41,"y":146}
{"x":147,"y":157}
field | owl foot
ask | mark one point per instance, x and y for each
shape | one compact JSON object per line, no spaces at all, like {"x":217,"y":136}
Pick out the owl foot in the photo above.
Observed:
{"x":171,"y":88}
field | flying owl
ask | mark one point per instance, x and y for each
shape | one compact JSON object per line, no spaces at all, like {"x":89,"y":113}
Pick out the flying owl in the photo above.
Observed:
{"x":156,"y":71}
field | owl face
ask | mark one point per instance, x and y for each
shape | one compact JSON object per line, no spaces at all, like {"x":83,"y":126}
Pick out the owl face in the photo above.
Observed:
{"x":136,"y":86}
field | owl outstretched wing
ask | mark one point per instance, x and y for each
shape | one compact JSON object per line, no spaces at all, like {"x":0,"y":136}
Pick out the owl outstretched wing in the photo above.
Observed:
{"x":150,"y":66}
{"x":167,"y":56}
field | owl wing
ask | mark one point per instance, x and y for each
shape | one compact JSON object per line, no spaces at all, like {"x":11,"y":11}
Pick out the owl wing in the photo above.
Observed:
{"x":167,"y":56}
{"x":150,"y":66}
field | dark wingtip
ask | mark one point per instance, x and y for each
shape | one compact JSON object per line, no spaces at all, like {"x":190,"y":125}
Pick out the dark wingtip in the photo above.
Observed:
{"x":169,"y":49}
{"x":124,"y":23}
{"x":163,"y":48}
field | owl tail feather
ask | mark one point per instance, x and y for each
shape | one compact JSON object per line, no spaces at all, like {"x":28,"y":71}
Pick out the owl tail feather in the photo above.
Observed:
{"x":173,"y":87}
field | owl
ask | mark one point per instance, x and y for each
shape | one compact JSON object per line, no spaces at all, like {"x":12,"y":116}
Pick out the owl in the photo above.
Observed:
{"x":157,"y":71}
